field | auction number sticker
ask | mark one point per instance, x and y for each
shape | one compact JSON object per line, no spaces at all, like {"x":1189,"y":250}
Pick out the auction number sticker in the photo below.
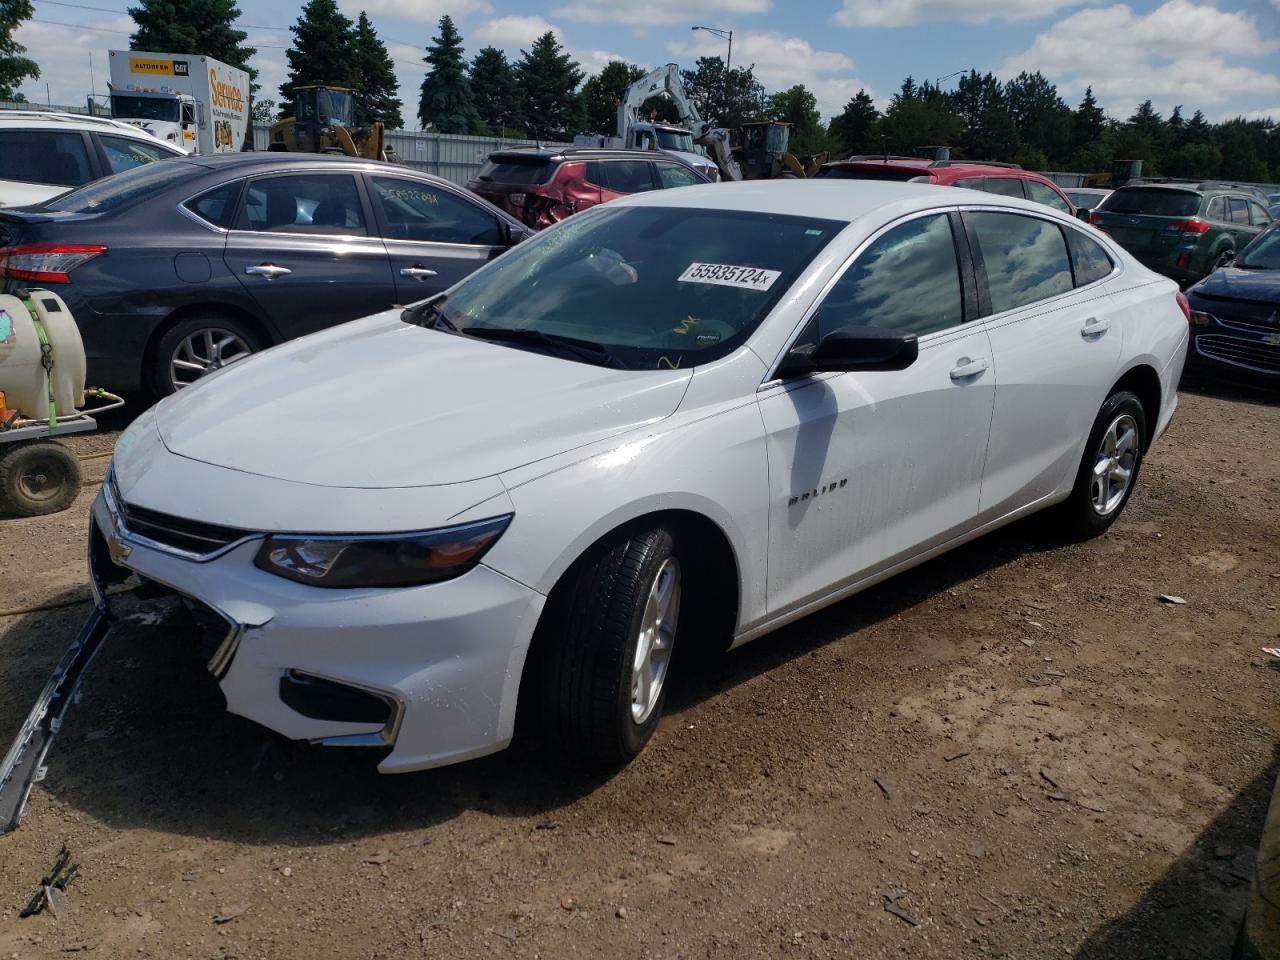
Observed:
{"x":726,"y":275}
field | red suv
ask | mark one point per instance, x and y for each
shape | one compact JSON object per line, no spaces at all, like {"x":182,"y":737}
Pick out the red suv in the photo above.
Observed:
{"x":1006,"y":179}
{"x":542,"y":187}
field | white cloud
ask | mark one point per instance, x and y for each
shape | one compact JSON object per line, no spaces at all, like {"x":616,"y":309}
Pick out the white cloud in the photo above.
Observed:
{"x":513,"y":33}
{"x":875,"y":13}
{"x":1266,"y":113}
{"x":782,"y":62}
{"x":63,"y":56}
{"x":656,"y":12}
{"x":1181,"y":52}
{"x":422,"y":11}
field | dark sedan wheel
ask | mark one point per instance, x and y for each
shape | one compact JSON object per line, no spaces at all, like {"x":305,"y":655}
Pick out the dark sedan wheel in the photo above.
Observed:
{"x":196,"y":347}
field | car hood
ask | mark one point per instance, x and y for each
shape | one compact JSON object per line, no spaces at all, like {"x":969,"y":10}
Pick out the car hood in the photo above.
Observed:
{"x":1233,"y":283}
{"x":381,"y":403}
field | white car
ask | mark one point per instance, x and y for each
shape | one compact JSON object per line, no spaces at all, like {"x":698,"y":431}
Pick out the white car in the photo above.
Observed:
{"x":680,"y":419}
{"x":43,"y":154}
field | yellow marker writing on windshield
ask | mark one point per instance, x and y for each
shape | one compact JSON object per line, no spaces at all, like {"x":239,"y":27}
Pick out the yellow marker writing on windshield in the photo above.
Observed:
{"x":685,"y":324}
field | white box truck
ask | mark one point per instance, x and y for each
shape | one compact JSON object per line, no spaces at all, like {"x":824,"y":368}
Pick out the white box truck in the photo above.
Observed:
{"x":196,"y":103}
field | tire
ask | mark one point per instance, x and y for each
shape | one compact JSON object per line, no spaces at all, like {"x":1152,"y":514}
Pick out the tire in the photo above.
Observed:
{"x":186,"y":341}
{"x":786,"y":176}
{"x":1225,"y":256}
{"x":594,"y":703}
{"x":1088,"y":510}
{"x":37,"y":478}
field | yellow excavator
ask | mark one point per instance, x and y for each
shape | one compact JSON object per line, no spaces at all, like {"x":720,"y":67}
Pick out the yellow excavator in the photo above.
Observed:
{"x":323,"y":121}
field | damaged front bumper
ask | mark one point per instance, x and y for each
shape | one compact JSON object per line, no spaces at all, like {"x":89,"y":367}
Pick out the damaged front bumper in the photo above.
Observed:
{"x":430,"y":672}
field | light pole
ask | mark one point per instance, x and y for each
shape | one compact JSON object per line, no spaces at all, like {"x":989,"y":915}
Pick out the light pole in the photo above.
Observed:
{"x":938,"y":82}
{"x":728,"y":61}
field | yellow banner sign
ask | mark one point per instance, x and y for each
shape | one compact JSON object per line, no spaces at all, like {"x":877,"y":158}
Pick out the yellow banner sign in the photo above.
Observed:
{"x":156,"y":67}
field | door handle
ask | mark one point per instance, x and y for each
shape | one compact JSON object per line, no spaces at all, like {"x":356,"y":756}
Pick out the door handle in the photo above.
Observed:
{"x":967,"y":368}
{"x":268,"y":270}
{"x":418,"y":273}
{"x":1093,"y":327}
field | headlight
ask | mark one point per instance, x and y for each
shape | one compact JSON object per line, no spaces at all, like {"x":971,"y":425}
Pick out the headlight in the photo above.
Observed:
{"x":1199,"y":319}
{"x":380,"y":560}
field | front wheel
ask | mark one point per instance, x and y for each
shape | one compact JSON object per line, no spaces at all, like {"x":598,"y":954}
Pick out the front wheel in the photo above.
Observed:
{"x":604,"y":672}
{"x":1109,"y":468}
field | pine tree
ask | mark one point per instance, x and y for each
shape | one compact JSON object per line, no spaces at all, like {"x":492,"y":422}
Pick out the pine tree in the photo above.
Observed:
{"x":493,"y":89}
{"x":322,"y":52}
{"x":375,"y":78}
{"x":548,"y":82}
{"x":14,"y":67}
{"x":1177,"y":127}
{"x":446,"y":103}
{"x":1198,"y":129}
{"x":200,"y":27}
{"x":724,"y":98}
{"x":854,"y":131}
{"x":601,"y":93}
{"x":1088,"y":123}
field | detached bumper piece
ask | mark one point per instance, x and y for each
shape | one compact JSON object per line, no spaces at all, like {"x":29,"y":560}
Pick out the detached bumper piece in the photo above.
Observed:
{"x":24,"y":763}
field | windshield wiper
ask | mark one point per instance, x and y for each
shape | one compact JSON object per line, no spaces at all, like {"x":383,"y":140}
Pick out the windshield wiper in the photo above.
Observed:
{"x":430,"y":315}
{"x":586,"y":350}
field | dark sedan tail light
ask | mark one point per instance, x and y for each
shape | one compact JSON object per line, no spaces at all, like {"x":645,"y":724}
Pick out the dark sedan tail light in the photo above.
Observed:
{"x":46,"y":262}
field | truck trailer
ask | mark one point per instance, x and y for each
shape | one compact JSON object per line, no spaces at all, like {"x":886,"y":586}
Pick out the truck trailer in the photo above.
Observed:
{"x":196,"y":103}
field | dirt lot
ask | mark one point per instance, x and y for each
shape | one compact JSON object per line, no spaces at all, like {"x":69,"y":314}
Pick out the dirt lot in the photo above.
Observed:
{"x":1018,"y":747}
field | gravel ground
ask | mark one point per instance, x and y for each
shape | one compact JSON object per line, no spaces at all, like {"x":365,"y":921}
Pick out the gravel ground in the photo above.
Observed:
{"x":1014,"y":751}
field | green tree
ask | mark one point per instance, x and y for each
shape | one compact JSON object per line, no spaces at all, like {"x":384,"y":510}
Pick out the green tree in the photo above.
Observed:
{"x":919,"y":116}
{"x":1041,"y":117}
{"x":322,"y":52}
{"x":14,"y":67}
{"x":798,"y":107}
{"x":547,"y":79}
{"x":989,"y":132}
{"x":1087,"y":124}
{"x":493,"y":89}
{"x":446,"y":102}
{"x":1198,"y":129}
{"x":724,"y":98}
{"x":1243,"y":144}
{"x":856,"y":129}
{"x":203,"y":27}
{"x":1196,"y":160}
{"x":601,"y":93}
{"x":375,"y":78}
{"x":263,"y":111}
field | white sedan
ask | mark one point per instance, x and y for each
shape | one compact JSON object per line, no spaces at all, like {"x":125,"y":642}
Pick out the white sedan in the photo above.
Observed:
{"x":682,"y":419}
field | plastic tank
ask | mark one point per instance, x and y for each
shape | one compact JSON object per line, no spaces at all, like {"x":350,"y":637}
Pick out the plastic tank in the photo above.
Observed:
{"x":22,"y":376}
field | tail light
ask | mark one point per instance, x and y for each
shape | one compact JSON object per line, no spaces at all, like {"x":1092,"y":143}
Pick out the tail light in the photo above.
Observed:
{"x":516,"y":199}
{"x":46,"y":262}
{"x":1095,"y":218}
{"x":1195,"y":226}
{"x":1183,"y":304}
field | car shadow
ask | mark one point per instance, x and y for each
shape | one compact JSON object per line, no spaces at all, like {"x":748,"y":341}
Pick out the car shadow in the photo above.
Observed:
{"x":151,"y":745}
{"x":1264,"y":391}
{"x":1194,"y":909}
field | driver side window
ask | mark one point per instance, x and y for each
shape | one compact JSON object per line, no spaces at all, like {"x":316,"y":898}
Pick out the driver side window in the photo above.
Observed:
{"x":908,"y":280}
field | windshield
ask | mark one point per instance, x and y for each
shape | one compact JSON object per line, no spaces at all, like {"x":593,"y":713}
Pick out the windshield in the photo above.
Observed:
{"x":1264,"y":252}
{"x":121,"y":189}
{"x":675,"y":140}
{"x":144,"y":108}
{"x":1152,"y":202}
{"x":658,"y":288}
{"x":335,"y":108}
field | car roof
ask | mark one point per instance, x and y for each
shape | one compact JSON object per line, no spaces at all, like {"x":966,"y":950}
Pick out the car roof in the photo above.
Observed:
{"x":940,"y":171}
{"x":548,"y":154}
{"x":825,"y":199}
{"x":51,"y":120}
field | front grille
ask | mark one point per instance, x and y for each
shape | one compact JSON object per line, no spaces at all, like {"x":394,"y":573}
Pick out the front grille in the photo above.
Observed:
{"x":178,"y":533}
{"x":1237,"y":351}
{"x":1248,"y":316}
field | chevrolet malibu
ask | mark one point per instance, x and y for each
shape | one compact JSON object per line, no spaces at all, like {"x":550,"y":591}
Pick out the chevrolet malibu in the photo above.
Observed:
{"x":677,"y":421}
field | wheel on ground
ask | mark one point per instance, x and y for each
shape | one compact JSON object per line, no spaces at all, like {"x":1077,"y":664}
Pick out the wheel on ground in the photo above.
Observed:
{"x":1109,"y":468}
{"x":38,"y":477}
{"x":609,"y":645}
{"x":196,"y":347}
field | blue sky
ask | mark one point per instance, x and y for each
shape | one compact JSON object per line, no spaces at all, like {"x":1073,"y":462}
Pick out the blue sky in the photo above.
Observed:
{"x":1223,"y":58}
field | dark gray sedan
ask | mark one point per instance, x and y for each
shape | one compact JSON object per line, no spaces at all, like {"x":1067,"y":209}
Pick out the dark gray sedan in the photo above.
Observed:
{"x":178,"y":268}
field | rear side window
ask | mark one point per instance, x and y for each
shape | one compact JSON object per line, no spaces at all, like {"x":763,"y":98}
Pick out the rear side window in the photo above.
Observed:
{"x":1152,"y":202}
{"x":53,"y":157}
{"x":1237,"y":210}
{"x":1025,"y":258}
{"x":1004,"y":186}
{"x":1217,"y":209}
{"x":628,"y":176}
{"x":1089,"y":261}
{"x":674,"y":175}
{"x":217,"y":206}
{"x":1043,"y":193}
{"x":519,"y":172}
{"x":1259,"y":214}
{"x":971,"y":183}
{"x":906,"y":280}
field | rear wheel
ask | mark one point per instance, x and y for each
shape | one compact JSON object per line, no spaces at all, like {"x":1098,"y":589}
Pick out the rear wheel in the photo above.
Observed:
{"x":196,"y":347}
{"x":604,"y":671}
{"x":37,"y":478}
{"x":1109,"y":468}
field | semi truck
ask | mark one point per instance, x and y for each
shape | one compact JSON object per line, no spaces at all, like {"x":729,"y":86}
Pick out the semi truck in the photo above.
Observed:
{"x":196,"y":103}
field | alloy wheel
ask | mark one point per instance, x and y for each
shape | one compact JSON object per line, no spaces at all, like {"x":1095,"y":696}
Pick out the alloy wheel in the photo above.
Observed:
{"x":653,"y":646}
{"x":204,"y":351}
{"x":1114,"y":464}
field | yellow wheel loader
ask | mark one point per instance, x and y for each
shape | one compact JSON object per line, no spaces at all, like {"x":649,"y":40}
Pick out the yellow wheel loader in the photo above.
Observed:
{"x":323,"y":121}
{"x":761,"y":151}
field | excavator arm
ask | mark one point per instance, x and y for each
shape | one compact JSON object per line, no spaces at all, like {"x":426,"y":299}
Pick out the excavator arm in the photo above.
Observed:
{"x":665,"y":81}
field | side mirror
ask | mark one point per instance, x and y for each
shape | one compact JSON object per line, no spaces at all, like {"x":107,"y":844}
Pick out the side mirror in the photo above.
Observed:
{"x":1082,"y":213}
{"x":853,"y":348}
